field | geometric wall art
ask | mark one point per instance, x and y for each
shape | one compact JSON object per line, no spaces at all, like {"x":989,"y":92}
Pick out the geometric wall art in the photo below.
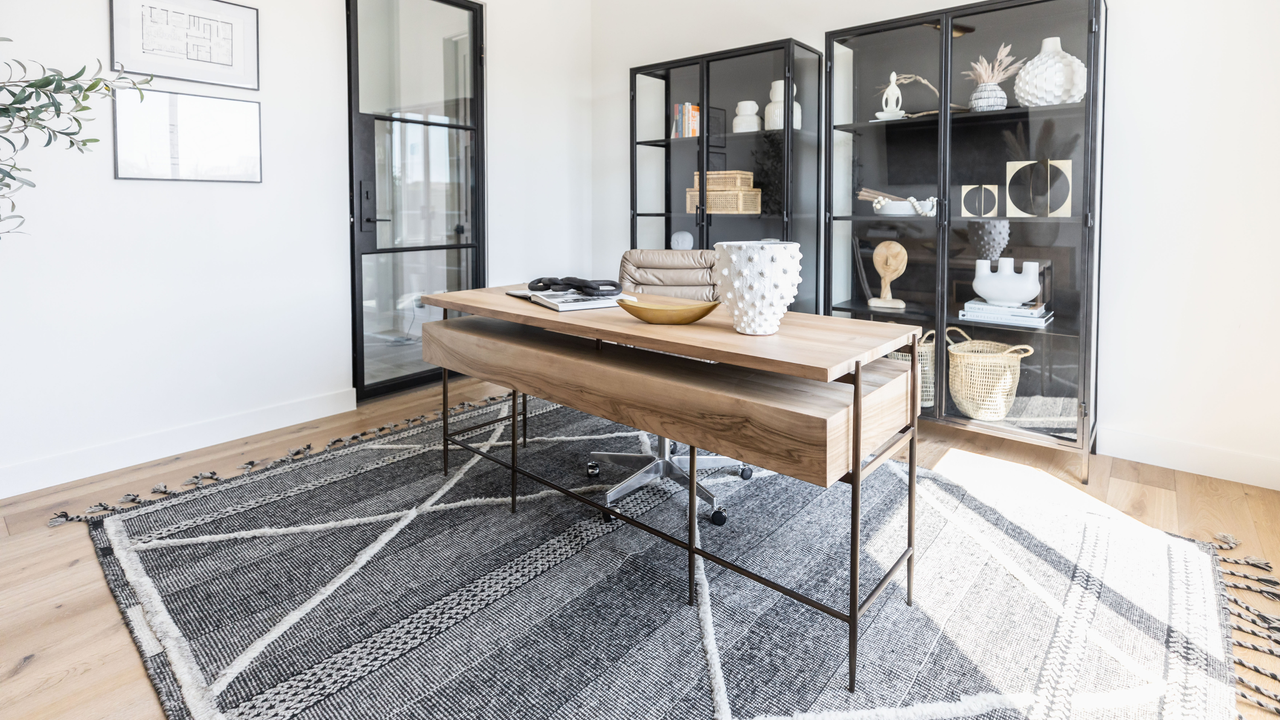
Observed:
{"x":979,"y":200}
{"x":1038,"y":188}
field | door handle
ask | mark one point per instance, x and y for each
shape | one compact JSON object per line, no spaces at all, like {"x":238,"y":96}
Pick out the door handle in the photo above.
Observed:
{"x":368,"y":207}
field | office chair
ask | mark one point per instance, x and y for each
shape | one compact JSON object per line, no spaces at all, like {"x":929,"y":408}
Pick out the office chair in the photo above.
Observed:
{"x":675,"y":273}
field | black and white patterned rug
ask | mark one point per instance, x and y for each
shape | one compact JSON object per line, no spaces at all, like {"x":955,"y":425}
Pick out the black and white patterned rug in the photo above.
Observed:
{"x":362,"y":582}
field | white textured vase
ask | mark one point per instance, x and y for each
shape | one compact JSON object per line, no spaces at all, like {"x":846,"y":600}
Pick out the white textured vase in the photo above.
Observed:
{"x":989,"y":237}
{"x":773,"y":112}
{"x":1006,"y":287}
{"x":757,"y":280}
{"x":987,"y":97}
{"x":1053,"y":77}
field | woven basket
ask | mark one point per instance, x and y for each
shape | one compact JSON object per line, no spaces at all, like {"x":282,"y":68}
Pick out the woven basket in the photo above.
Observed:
{"x":725,"y":202}
{"x":726,"y":180}
{"x":984,"y":375}
{"x":926,"y":367}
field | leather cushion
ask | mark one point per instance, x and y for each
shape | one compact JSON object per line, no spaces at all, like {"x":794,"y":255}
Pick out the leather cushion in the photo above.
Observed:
{"x":675,"y":273}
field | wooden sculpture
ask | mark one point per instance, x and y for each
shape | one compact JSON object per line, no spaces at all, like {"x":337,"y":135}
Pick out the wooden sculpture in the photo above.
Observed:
{"x":890,"y":259}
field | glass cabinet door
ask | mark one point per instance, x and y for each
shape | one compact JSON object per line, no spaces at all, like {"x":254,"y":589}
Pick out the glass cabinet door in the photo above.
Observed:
{"x":667,"y":158}
{"x":1017,"y":179}
{"x":884,"y":144}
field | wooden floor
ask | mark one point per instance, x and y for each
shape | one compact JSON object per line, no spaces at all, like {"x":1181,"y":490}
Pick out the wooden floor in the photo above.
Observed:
{"x":65,"y":653}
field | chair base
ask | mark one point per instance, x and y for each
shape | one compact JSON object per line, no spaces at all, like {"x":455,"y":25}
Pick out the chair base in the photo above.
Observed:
{"x":649,"y":468}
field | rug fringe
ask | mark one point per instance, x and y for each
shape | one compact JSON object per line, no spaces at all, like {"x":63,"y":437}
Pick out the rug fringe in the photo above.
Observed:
{"x":1260,"y":703}
{"x":1253,"y":560}
{"x":294,"y":455}
{"x":1268,"y":624}
{"x":1264,"y":579}
{"x":1261,"y":591}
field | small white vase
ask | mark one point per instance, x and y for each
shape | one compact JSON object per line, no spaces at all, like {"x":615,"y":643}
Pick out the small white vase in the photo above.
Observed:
{"x":746,"y":119}
{"x":774,"y":112}
{"x":987,"y":97}
{"x":1006,"y":287}
{"x":1053,"y":77}
{"x":757,"y":280}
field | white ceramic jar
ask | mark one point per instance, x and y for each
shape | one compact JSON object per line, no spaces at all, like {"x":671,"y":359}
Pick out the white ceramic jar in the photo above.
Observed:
{"x":773,"y":112}
{"x":1053,"y":77}
{"x":757,"y":280}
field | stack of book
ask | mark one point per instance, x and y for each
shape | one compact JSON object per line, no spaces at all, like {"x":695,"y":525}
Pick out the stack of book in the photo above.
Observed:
{"x":686,"y":121}
{"x":1028,"y":315}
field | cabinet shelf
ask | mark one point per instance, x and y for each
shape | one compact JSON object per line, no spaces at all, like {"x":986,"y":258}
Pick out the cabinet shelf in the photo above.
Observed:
{"x":961,"y":117}
{"x":735,"y":137}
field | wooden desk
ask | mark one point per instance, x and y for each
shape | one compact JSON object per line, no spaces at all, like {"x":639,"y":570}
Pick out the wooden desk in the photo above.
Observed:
{"x":714,"y":404}
{"x":815,"y":347}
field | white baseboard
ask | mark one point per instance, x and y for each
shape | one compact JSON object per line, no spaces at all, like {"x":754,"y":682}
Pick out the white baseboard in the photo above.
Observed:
{"x":53,"y":470}
{"x":1217,"y":462}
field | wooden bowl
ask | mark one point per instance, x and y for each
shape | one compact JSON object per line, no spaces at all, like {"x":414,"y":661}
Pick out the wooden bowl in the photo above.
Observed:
{"x":668,"y":314}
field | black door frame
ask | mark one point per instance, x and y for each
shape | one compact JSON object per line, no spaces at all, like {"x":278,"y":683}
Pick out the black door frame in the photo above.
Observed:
{"x":361,"y":159}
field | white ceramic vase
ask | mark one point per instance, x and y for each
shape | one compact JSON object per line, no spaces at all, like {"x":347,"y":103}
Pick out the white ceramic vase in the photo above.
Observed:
{"x":989,"y":237}
{"x":1053,"y":77}
{"x":987,"y":97}
{"x":773,"y":112}
{"x":1006,"y":287}
{"x":746,"y":119}
{"x":757,"y":280}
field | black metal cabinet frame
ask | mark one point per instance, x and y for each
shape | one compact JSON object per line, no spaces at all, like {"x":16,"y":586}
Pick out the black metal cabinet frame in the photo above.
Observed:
{"x":703,"y":63}
{"x":1091,"y":222}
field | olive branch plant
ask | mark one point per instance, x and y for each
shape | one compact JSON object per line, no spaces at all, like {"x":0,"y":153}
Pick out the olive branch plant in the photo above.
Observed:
{"x":46,"y":104}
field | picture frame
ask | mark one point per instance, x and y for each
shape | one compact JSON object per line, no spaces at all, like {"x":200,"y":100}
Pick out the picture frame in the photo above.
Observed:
{"x":179,"y":136}
{"x":205,"y":41}
{"x":717,"y":162}
{"x":717,"y":126}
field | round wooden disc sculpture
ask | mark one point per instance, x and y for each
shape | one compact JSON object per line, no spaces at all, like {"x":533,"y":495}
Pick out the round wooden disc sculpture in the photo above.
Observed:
{"x":890,"y":259}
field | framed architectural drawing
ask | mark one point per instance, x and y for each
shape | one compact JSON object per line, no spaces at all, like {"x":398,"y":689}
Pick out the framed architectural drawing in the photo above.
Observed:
{"x":206,"y":41}
{"x":173,"y":136}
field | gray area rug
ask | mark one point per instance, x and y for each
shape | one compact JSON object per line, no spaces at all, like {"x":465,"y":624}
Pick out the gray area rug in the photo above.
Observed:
{"x":362,"y":582}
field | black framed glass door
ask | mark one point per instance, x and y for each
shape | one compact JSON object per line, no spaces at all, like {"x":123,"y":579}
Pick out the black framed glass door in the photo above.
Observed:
{"x":417,"y":177}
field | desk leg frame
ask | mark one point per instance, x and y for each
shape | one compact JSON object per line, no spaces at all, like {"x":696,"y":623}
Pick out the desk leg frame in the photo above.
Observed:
{"x":907,"y":437}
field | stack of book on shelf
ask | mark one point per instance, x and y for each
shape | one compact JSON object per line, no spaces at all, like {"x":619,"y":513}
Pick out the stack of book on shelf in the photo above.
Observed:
{"x":686,"y":121}
{"x":1029,"y":315}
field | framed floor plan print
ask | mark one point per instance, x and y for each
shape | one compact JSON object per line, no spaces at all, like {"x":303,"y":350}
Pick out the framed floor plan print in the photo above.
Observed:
{"x":173,"y":136}
{"x":206,"y":41}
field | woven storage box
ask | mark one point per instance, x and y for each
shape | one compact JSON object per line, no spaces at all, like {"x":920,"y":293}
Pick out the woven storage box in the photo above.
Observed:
{"x":926,"y":367}
{"x":725,"y":202}
{"x":726,"y":180}
{"x":984,"y":375}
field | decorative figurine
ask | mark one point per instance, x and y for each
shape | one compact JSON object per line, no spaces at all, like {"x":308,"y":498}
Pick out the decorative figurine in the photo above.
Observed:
{"x":890,"y":259}
{"x":1006,"y":287}
{"x":892,"y":101}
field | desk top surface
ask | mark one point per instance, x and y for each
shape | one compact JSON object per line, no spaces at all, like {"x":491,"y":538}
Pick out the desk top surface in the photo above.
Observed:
{"x":817,"y":347}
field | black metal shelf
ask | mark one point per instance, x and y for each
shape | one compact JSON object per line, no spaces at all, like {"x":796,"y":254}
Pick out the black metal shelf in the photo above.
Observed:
{"x":735,"y":136}
{"x":913,"y":310}
{"x":964,"y":116}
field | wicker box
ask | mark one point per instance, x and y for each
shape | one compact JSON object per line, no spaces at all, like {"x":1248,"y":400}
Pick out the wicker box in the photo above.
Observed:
{"x":725,"y":202}
{"x":726,"y":180}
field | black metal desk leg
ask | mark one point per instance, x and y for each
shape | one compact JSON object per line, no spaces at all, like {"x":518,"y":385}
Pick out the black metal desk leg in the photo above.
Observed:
{"x":514,"y":416}
{"x":444,"y":402}
{"x":911,"y":466}
{"x":693,"y":514}
{"x":855,"y":523}
{"x":524,"y":403}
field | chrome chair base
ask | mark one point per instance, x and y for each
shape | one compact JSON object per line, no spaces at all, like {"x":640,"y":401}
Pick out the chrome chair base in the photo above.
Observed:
{"x":662,"y":465}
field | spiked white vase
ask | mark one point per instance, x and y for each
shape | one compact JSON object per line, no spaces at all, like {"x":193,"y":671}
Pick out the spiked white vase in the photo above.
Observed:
{"x":757,"y":280}
{"x":1053,"y":77}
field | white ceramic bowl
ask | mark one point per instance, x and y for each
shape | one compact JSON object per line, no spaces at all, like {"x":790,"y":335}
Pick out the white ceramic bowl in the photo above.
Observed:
{"x":902,"y":208}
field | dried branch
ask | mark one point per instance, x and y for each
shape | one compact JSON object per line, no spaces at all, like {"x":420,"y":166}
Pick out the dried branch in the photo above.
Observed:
{"x":995,"y":72}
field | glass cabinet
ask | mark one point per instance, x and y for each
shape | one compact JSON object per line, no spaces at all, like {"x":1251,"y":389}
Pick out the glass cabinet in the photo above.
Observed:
{"x":718,"y":153}
{"x":972,"y":139}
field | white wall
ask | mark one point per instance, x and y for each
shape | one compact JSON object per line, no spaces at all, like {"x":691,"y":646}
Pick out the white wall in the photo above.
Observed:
{"x":1184,"y":381}
{"x":141,"y":319}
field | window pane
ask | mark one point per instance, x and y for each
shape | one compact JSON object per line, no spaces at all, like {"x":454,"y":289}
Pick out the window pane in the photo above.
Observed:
{"x":393,"y":311}
{"x":425,"y":181}
{"x":415,"y":60}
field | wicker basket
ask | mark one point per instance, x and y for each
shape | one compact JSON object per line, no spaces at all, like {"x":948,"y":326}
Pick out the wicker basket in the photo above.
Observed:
{"x":926,"y":367}
{"x":725,"y":202}
{"x":984,"y":375}
{"x":726,"y":180}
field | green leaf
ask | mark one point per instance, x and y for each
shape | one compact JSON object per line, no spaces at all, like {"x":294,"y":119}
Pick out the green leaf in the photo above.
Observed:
{"x":86,"y":141}
{"x":42,"y":83}
{"x":97,"y":83}
{"x":77,"y":75}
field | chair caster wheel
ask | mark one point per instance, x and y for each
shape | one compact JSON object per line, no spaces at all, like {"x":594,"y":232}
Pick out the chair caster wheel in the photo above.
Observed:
{"x":746,"y":473}
{"x":719,"y":517}
{"x":606,"y":516}
{"x":593,"y":469}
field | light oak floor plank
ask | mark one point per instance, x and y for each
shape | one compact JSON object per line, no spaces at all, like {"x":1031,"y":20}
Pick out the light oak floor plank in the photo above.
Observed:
{"x":64,"y":648}
{"x":1153,"y":506}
